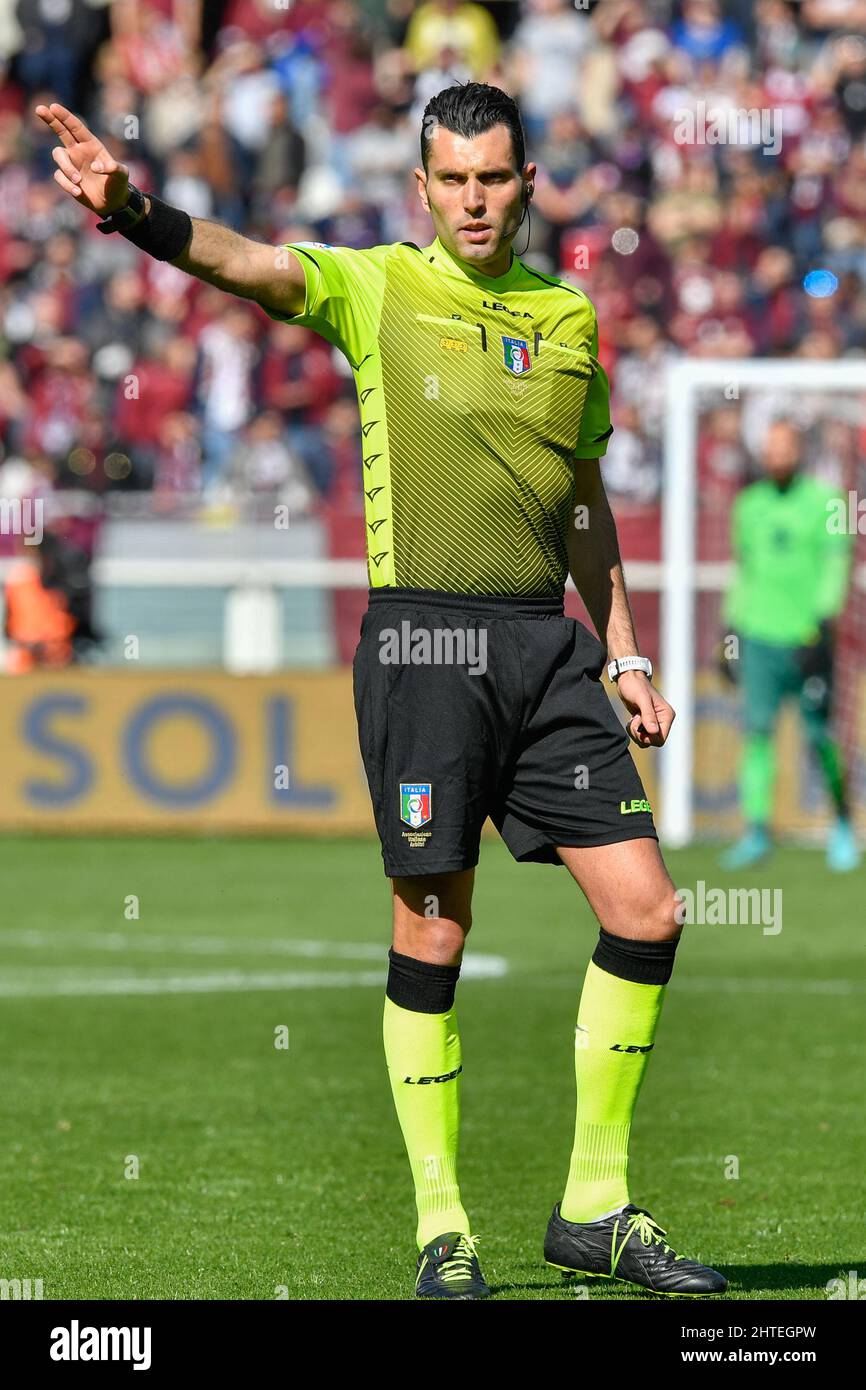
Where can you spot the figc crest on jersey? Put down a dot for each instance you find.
(517, 358)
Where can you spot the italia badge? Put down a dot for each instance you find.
(516, 354)
(415, 803)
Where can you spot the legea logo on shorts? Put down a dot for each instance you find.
(415, 803)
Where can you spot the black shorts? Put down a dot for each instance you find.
(471, 707)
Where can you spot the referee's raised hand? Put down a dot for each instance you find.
(85, 169)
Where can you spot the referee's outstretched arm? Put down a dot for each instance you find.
(270, 275)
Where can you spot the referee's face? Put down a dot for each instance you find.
(474, 193)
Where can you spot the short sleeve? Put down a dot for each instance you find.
(595, 426)
(344, 292)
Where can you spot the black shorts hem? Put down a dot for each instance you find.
(610, 837)
(418, 869)
(541, 848)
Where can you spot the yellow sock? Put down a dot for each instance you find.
(616, 1025)
(424, 1064)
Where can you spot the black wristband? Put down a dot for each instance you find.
(163, 233)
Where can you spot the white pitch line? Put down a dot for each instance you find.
(47, 984)
(769, 986)
(223, 983)
(476, 965)
(137, 938)
(717, 984)
(43, 985)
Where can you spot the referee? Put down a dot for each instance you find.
(484, 413)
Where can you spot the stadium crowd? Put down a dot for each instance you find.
(691, 228)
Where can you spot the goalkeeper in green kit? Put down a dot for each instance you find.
(789, 587)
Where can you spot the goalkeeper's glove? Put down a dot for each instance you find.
(815, 658)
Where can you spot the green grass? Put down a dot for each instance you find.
(262, 1169)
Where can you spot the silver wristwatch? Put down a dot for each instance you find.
(629, 663)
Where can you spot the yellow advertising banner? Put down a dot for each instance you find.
(95, 749)
(156, 751)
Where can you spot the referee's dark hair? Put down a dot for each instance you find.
(468, 109)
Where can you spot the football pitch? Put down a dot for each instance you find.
(195, 1103)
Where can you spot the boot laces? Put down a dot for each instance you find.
(650, 1232)
(647, 1229)
(459, 1264)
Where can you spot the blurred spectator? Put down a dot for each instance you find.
(224, 390)
(177, 461)
(459, 25)
(377, 157)
(632, 465)
(703, 33)
(118, 319)
(57, 36)
(58, 399)
(263, 462)
(298, 378)
(641, 372)
(280, 164)
(48, 603)
(548, 47)
(153, 389)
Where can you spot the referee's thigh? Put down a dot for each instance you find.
(628, 888)
(432, 915)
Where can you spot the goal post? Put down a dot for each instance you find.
(684, 573)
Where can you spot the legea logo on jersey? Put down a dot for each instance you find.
(415, 803)
(517, 358)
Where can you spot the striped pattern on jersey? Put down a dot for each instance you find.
(473, 397)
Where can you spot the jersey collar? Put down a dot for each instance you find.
(446, 261)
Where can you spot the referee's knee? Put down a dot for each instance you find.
(435, 940)
(432, 917)
(654, 915)
(666, 918)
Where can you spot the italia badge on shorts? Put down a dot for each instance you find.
(517, 358)
(415, 803)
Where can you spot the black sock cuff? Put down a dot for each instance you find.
(642, 962)
(420, 985)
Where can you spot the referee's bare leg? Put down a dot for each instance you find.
(628, 888)
(432, 916)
